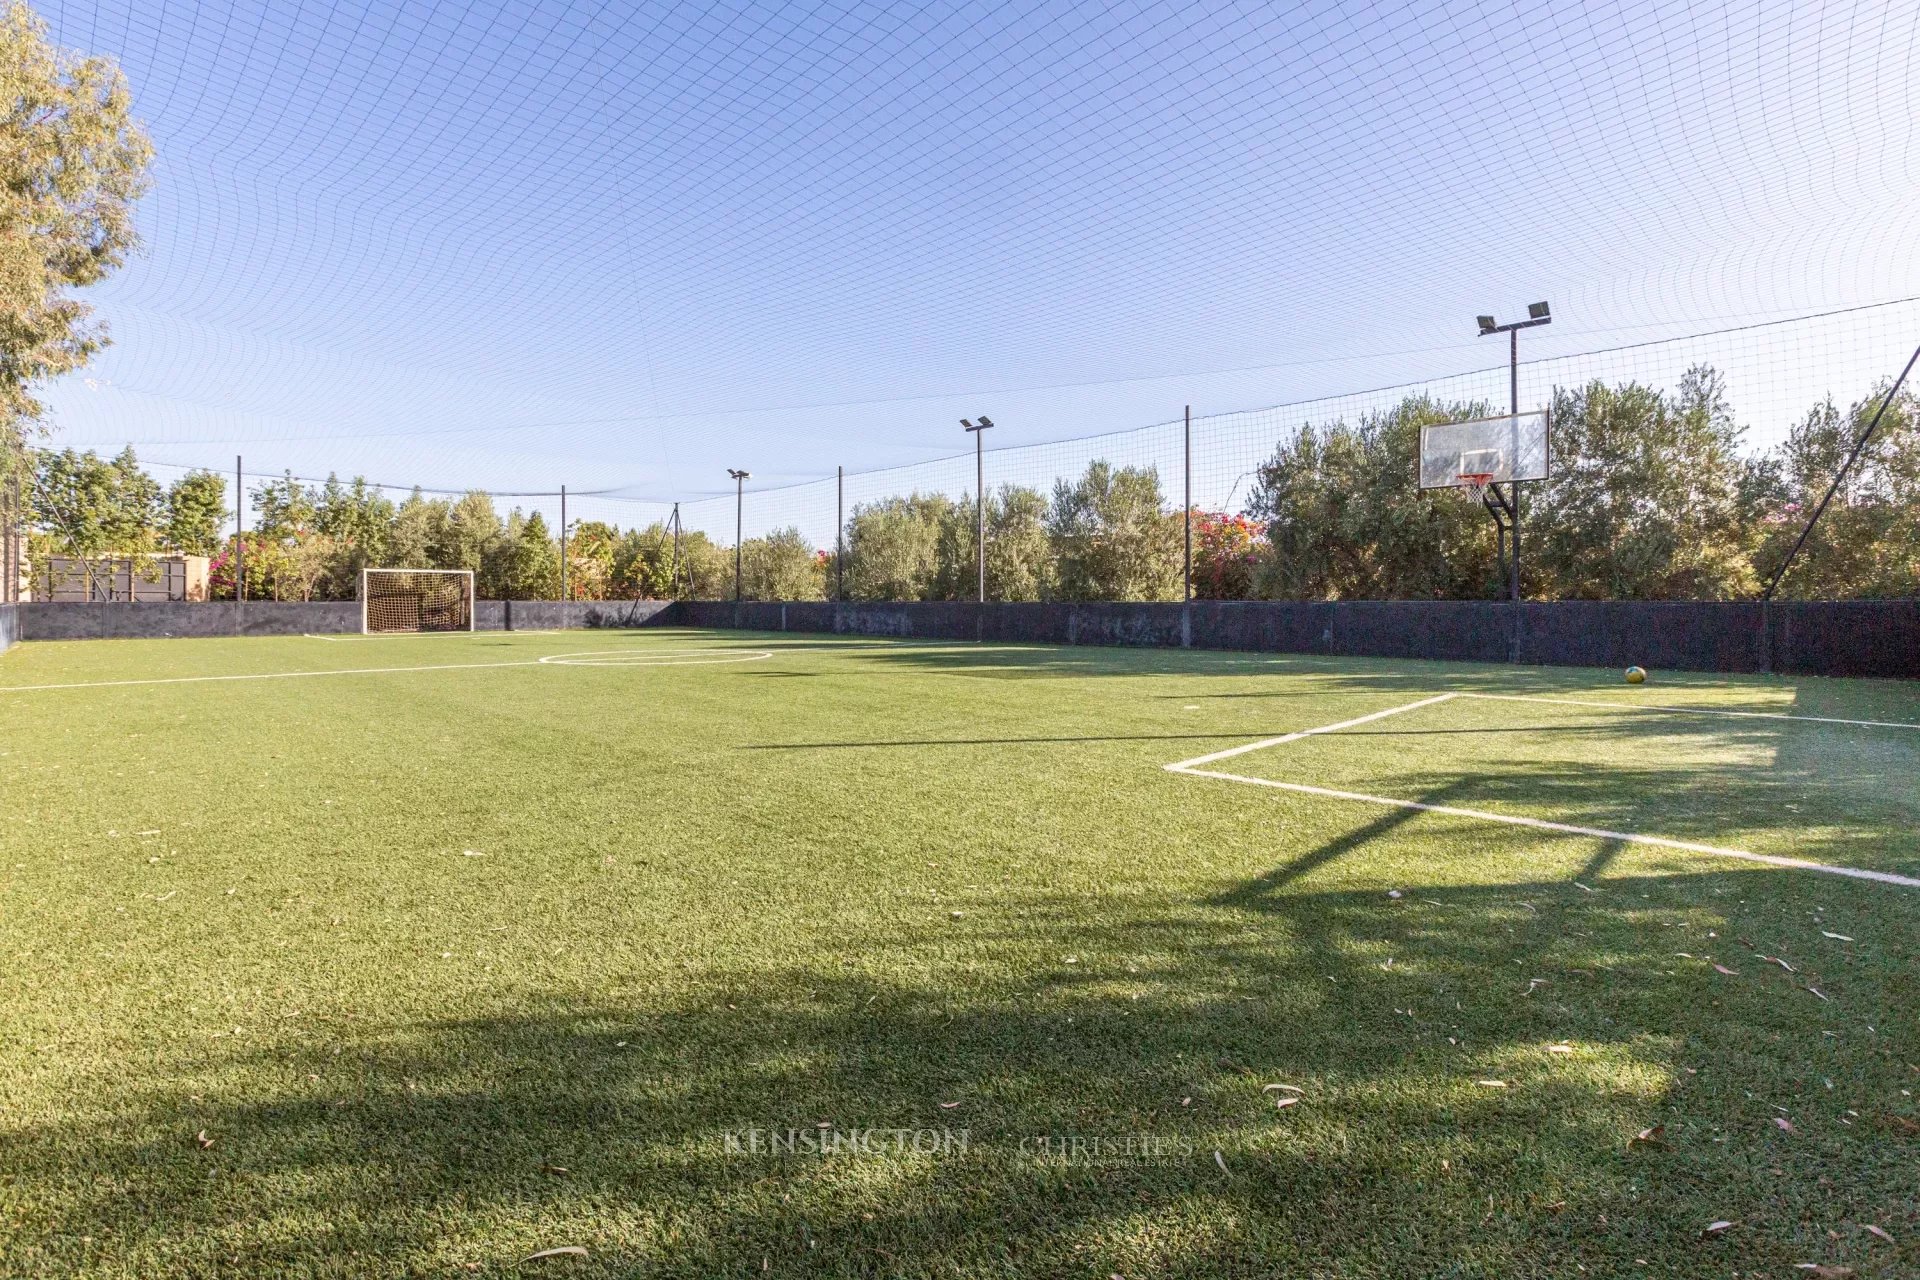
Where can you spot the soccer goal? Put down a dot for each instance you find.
(415, 600)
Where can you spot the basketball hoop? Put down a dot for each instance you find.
(1476, 482)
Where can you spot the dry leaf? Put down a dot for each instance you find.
(1220, 1160)
(1878, 1231)
(1824, 1271)
(563, 1251)
(1783, 1124)
(1818, 992)
(1491, 1084)
(1715, 1228)
(948, 1106)
(1654, 1137)
(1899, 1124)
(202, 1138)
(1782, 963)
(1559, 1048)
(1286, 1102)
(1284, 1088)
(1837, 937)
(1731, 973)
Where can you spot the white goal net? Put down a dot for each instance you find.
(416, 600)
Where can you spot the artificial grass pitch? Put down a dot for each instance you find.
(888, 959)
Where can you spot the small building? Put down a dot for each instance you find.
(120, 579)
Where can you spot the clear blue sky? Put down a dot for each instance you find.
(515, 245)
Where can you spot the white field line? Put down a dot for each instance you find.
(1189, 767)
(1693, 711)
(681, 660)
(1564, 828)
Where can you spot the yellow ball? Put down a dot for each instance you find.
(1636, 675)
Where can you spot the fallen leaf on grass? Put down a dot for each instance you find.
(1220, 1160)
(202, 1138)
(1283, 1088)
(557, 1170)
(1654, 1137)
(1818, 992)
(1783, 1124)
(1782, 963)
(1286, 1101)
(1559, 1048)
(563, 1251)
(1870, 1229)
(1837, 937)
(1899, 1124)
(1491, 1084)
(1825, 1271)
(948, 1106)
(1715, 1228)
(1731, 973)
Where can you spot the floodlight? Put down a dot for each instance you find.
(1486, 324)
(738, 475)
(967, 423)
(1537, 310)
(985, 421)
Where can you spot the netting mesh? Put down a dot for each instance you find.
(418, 600)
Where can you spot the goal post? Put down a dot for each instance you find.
(413, 600)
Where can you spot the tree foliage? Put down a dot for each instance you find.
(72, 164)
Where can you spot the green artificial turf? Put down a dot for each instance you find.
(421, 972)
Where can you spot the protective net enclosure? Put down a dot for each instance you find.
(416, 600)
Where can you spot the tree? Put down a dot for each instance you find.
(1227, 553)
(1868, 542)
(90, 509)
(781, 566)
(72, 164)
(1646, 497)
(893, 547)
(1112, 537)
(357, 520)
(530, 560)
(1346, 519)
(590, 554)
(196, 508)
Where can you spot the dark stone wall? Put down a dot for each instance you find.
(1838, 638)
(1812, 637)
(46, 620)
(49, 620)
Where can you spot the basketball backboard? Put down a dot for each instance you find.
(1512, 446)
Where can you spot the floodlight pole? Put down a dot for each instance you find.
(980, 493)
(739, 525)
(1538, 313)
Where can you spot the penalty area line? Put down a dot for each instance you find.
(1559, 828)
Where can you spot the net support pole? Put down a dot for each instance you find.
(1841, 474)
(239, 531)
(839, 534)
(1186, 449)
(563, 545)
(675, 588)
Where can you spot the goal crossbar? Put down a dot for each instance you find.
(413, 600)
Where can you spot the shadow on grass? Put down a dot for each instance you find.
(423, 1147)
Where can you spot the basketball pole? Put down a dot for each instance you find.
(1538, 313)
